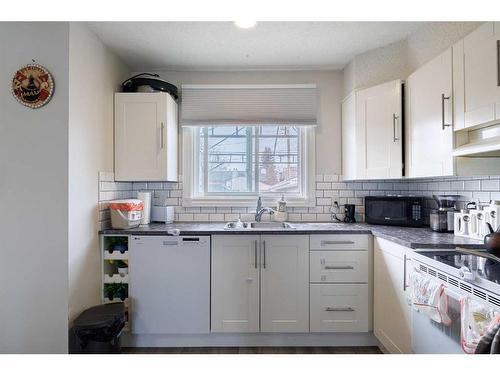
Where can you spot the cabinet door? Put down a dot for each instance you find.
(235, 283)
(339, 308)
(430, 135)
(349, 144)
(379, 137)
(285, 283)
(482, 74)
(392, 313)
(145, 137)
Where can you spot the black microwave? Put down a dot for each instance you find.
(394, 210)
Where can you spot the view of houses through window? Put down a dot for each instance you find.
(249, 160)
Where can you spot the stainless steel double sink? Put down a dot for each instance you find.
(243, 225)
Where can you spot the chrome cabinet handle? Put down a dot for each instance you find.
(325, 242)
(339, 309)
(394, 120)
(162, 128)
(264, 249)
(443, 123)
(339, 267)
(404, 273)
(255, 254)
(498, 62)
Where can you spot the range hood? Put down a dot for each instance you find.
(480, 143)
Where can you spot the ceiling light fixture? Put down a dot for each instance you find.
(245, 24)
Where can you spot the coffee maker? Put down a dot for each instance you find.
(349, 213)
(442, 218)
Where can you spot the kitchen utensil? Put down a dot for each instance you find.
(492, 240)
(149, 82)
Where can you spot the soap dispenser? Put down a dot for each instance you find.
(280, 214)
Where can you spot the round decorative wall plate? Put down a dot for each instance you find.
(33, 86)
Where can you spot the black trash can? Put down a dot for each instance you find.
(98, 330)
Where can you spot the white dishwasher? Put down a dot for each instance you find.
(169, 284)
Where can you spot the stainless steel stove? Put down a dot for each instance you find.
(464, 273)
(476, 267)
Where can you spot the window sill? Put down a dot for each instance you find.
(232, 201)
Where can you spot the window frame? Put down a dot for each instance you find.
(191, 177)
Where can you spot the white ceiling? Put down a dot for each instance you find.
(223, 46)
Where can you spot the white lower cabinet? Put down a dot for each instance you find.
(339, 308)
(392, 313)
(235, 283)
(260, 279)
(284, 284)
(340, 283)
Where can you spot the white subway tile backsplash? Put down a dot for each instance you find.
(323, 185)
(331, 177)
(329, 188)
(201, 217)
(472, 185)
(490, 185)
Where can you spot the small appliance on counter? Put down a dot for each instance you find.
(349, 213)
(442, 218)
(126, 213)
(163, 214)
(398, 210)
(474, 222)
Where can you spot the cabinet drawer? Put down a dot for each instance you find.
(339, 308)
(339, 242)
(338, 266)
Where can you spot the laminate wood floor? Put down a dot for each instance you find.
(259, 350)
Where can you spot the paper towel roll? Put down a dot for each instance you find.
(145, 197)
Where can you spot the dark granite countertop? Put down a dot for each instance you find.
(409, 237)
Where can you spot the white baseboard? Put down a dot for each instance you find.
(251, 339)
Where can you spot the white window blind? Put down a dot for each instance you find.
(249, 105)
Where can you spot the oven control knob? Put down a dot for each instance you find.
(465, 274)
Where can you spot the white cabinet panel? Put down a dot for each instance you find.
(235, 283)
(379, 125)
(339, 241)
(339, 266)
(145, 137)
(481, 74)
(429, 112)
(285, 283)
(392, 313)
(349, 142)
(372, 144)
(339, 308)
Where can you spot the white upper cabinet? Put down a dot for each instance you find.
(479, 74)
(349, 144)
(378, 114)
(145, 137)
(429, 114)
(372, 133)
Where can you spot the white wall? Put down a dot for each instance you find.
(400, 59)
(328, 140)
(95, 74)
(34, 195)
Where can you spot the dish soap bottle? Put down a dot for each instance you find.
(280, 215)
